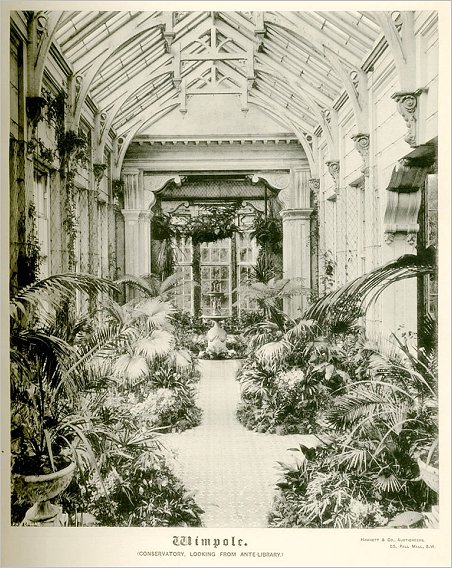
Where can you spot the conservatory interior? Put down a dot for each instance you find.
(223, 231)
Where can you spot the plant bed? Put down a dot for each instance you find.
(139, 490)
(168, 409)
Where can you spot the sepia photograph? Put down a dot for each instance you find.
(220, 283)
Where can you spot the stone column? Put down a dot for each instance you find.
(297, 254)
(137, 233)
(296, 215)
(132, 239)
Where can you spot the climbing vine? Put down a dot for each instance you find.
(29, 259)
(327, 277)
(71, 148)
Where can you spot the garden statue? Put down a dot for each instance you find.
(216, 336)
(216, 339)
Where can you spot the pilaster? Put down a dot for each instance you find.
(133, 188)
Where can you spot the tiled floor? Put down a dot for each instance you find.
(231, 469)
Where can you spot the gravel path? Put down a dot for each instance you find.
(231, 469)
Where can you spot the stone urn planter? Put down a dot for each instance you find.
(39, 489)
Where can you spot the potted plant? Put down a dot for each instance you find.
(48, 428)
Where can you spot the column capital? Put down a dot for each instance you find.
(130, 171)
(131, 215)
(296, 214)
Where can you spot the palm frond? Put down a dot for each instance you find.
(347, 303)
(389, 483)
(57, 287)
(130, 368)
(302, 328)
(272, 352)
(155, 310)
(137, 282)
(354, 459)
(159, 343)
(181, 359)
(351, 407)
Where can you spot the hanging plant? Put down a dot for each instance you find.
(56, 106)
(34, 109)
(162, 229)
(29, 259)
(72, 146)
(215, 224)
(268, 232)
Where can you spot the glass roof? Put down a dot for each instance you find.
(133, 65)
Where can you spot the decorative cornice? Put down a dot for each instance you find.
(271, 139)
(362, 143)
(407, 107)
(276, 180)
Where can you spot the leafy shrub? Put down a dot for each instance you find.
(287, 383)
(382, 427)
(323, 500)
(139, 492)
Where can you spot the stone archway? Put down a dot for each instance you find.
(279, 162)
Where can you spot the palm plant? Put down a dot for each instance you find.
(381, 419)
(339, 309)
(43, 366)
(153, 286)
(270, 296)
(389, 421)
